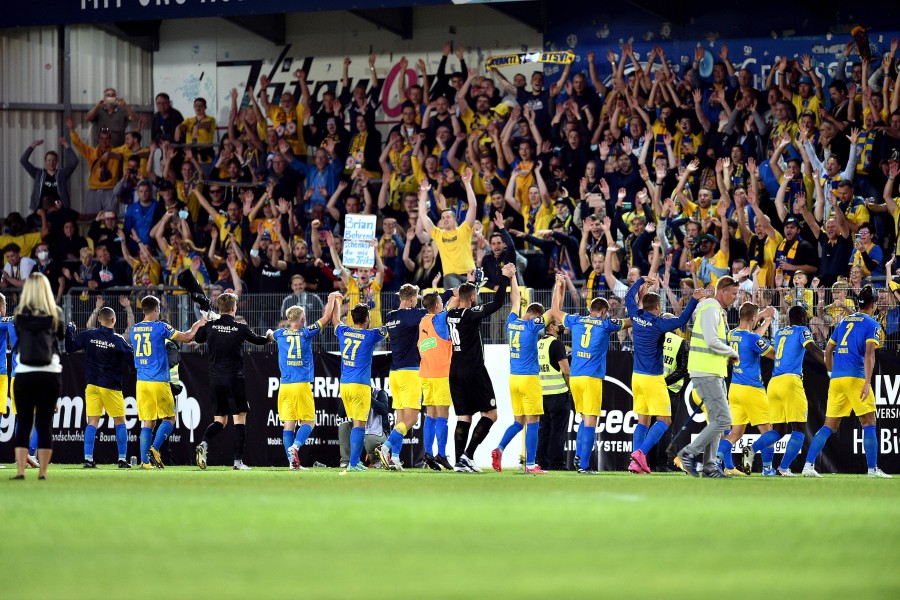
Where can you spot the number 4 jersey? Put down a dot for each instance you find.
(357, 347)
(523, 338)
(295, 356)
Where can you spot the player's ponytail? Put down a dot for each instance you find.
(867, 296)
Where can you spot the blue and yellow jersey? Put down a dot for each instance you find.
(590, 342)
(790, 348)
(851, 336)
(523, 336)
(295, 355)
(9, 340)
(749, 346)
(402, 326)
(150, 357)
(357, 346)
(649, 331)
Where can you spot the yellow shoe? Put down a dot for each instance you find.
(677, 461)
(735, 472)
(156, 459)
(147, 466)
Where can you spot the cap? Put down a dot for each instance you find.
(791, 221)
(266, 236)
(562, 200)
(501, 110)
(557, 222)
(806, 79)
(165, 184)
(704, 237)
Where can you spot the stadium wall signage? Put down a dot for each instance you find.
(843, 454)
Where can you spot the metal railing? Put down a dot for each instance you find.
(265, 311)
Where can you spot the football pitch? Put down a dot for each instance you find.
(266, 533)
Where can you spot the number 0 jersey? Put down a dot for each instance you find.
(790, 348)
(295, 355)
(150, 357)
(523, 336)
(357, 346)
(850, 337)
(590, 342)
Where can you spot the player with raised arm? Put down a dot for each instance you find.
(224, 339)
(648, 383)
(402, 326)
(747, 395)
(470, 384)
(296, 364)
(787, 397)
(153, 392)
(850, 357)
(357, 344)
(590, 343)
(436, 351)
(525, 377)
(104, 351)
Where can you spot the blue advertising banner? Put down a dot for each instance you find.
(752, 43)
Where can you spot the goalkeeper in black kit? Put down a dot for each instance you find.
(470, 385)
(225, 339)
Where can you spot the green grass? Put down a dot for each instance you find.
(272, 533)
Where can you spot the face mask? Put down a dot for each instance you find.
(42, 256)
(183, 214)
(254, 252)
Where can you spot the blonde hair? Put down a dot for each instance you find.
(294, 313)
(37, 298)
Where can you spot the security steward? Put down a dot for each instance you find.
(554, 429)
(675, 370)
(224, 340)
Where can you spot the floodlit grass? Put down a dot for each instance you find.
(183, 533)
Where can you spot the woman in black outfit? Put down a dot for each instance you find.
(38, 321)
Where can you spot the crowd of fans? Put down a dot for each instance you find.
(791, 188)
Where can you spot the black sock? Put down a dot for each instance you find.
(460, 437)
(214, 429)
(240, 436)
(481, 430)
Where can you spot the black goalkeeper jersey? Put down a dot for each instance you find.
(465, 331)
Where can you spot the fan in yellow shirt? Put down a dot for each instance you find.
(454, 243)
(199, 130)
